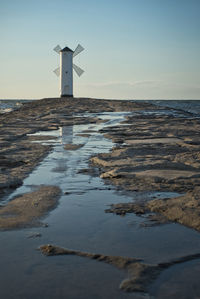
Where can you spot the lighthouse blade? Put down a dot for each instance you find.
(57, 71)
(57, 49)
(78, 70)
(78, 50)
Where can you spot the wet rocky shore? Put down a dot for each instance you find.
(19, 155)
(156, 149)
(156, 152)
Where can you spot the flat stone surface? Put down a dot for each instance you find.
(27, 209)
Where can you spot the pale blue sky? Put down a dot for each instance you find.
(134, 49)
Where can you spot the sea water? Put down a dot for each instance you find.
(10, 105)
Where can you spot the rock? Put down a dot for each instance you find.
(34, 235)
(124, 208)
(140, 274)
(72, 146)
(183, 209)
(25, 210)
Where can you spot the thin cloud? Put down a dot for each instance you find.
(142, 89)
(125, 84)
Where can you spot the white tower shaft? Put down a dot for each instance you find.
(66, 73)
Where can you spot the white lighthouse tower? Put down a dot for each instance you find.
(65, 71)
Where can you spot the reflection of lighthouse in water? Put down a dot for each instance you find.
(66, 134)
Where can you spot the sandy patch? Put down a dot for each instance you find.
(26, 210)
(152, 140)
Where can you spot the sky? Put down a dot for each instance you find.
(134, 49)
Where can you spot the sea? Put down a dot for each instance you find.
(190, 106)
(10, 105)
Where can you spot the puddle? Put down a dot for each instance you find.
(174, 276)
(168, 111)
(79, 222)
(61, 167)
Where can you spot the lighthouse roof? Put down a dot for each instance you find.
(66, 49)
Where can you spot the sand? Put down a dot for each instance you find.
(27, 209)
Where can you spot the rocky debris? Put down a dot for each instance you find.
(88, 171)
(158, 153)
(183, 209)
(10, 183)
(140, 274)
(71, 147)
(89, 131)
(83, 135)
(26, 210)
(124, 208)
(140, 209)
(154, 220)
(34, 235)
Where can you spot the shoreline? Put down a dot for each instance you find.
(153, 151)
(18, 155)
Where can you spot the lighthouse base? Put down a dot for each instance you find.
(66, 95)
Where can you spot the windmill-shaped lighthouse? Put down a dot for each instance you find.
(65, 71)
